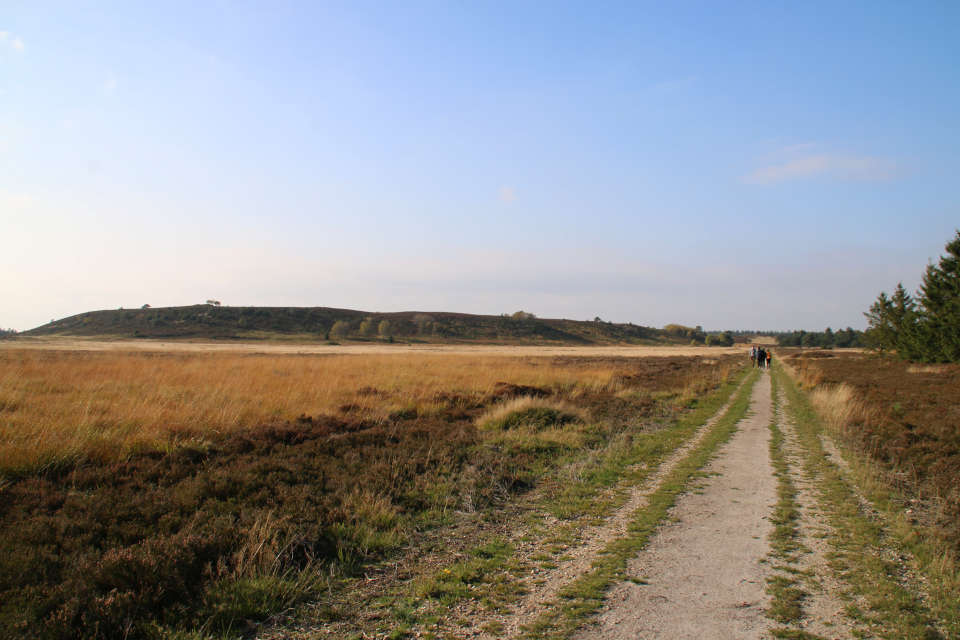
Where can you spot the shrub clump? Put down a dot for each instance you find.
(530, 412)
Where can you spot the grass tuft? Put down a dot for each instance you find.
(531, 413)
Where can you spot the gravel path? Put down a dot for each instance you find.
(703, 575)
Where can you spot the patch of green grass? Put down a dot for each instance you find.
(786, 605)
(485, 577)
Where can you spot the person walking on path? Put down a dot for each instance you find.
(769, 358)
(753, 356)
(761, 357)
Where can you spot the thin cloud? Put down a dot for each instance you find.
(779, 154)
(842, 168)
(14, 42)
(109, 85)
(508, 194)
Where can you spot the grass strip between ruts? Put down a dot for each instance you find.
(584, 596)
(787, 594)
(862, 546)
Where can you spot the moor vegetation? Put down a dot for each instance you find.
(903, 417)
(161, 496)
(212, 321)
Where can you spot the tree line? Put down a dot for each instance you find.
(924, 327)
(828, 339)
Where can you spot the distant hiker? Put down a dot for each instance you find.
(753, 356)
(761, 357)
(769, 358)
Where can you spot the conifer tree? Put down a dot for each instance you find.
(902, 314)
(879, 334)
(939, 307)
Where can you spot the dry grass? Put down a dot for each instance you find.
(529, 411)
(927, 368)
(535, 423)
(58, 407)
(804, 372)
(841, 406)
(902, 418)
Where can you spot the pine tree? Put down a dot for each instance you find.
(939, 307)
(903, 317)
(879, 334)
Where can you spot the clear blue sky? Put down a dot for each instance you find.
(764, 165)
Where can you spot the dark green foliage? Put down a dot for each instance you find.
(842, 339)
(695, 334)
(925, 328)
(724, 339)
(939, 303)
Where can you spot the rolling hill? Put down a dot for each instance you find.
(206, 322)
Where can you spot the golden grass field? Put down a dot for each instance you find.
(293, 347)
(102, 405)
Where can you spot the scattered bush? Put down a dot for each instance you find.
(529, 411)
(368, 327)
(340, 329)
(425, 324)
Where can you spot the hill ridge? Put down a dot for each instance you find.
(206, 321)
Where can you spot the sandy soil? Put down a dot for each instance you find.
(80, 344)
(703, 574)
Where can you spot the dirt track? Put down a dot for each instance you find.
(703, 575)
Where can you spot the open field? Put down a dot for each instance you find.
(199, 346)
(190, 494)
(59, 406)
(146, 492)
